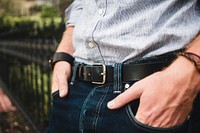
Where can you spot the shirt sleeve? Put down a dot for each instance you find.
(73, 12)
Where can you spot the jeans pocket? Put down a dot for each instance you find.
(131, 110)
(55, 95)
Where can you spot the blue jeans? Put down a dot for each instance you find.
(85, 110)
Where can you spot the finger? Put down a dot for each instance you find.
(62, 85)
(129, 95)
(60, 77)
(54, 87)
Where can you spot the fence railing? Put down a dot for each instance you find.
(24, 69)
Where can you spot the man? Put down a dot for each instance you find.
(136, 68)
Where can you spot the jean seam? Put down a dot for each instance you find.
(98, 108)
(127, 112)
(83, 107)
(149, 128)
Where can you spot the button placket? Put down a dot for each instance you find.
(101, 12)
(102, 5)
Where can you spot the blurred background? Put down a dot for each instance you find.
(30, 31)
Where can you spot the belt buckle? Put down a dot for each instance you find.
(103, 74)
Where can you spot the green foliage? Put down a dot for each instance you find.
(30, 27)
(49, 12)
(35, 9)
(8, 23)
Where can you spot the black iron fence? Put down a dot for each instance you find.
(24, 68)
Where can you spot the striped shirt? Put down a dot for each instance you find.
(114, 31)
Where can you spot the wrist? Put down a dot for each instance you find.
(62, 68)
(192, 57)
(185, 72)
(61, 56)
(63, 65)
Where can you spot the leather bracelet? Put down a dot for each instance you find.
(194, 58)
(61, 56)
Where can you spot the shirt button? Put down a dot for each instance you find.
(101, 12)
(91, 45)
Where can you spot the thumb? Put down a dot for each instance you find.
(62, 85)
(63, 89)
(60, 77)
(129, 95)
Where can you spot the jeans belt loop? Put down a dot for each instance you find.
(117, 78)
(74, 72)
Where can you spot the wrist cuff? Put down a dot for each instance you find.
(61, 56)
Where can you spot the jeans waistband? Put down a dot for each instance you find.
(121, 73)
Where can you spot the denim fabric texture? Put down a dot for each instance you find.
(84, 110)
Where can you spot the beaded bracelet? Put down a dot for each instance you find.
(194, 58)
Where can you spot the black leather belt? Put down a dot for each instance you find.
(100, 74)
